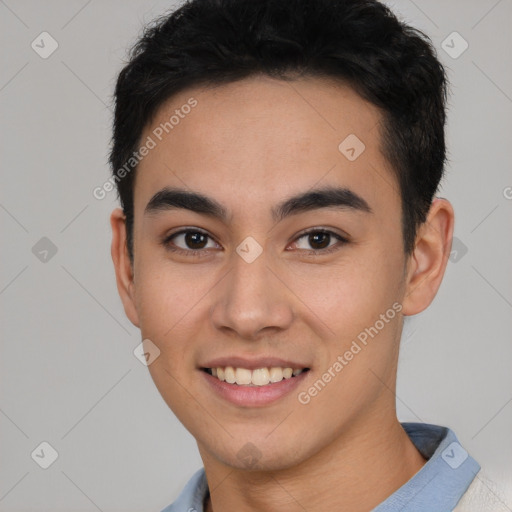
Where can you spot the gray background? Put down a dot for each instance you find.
(68, 373)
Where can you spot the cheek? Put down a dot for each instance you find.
(166, 292)
(166, 303)
(350, 295)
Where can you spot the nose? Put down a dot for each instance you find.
(251, 299)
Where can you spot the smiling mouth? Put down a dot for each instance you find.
(257, 377)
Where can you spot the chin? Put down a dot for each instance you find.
(260, 456)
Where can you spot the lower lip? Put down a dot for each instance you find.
(254, 396)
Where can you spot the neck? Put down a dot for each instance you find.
(357, 471)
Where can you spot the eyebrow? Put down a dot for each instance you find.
(326, 197)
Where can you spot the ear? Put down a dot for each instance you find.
(427, 263)
(123, 265)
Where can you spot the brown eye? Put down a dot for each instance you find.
(319, 241)
(190, 242)
(195, 240)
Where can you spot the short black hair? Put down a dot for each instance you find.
(358, 42)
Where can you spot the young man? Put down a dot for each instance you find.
(277, 163)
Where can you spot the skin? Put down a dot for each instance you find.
(250, 145)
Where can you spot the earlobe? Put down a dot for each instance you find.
(428, 261)
(122, 265)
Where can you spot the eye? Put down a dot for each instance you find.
(194, 242)
(320, 241)
(190, 242)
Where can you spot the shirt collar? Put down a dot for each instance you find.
(444, 478)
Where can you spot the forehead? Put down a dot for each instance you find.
(261, 139)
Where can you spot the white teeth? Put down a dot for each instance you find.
(243, 376)
(260, 377)
(257, 377)
(276, 374)
(229, 375)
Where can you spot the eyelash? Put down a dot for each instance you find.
(204, 252)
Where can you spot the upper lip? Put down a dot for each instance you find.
(253, 364)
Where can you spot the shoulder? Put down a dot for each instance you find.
(482, 495)
(192, 496)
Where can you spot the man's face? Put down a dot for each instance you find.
(303, 300)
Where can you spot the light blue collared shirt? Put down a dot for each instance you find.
(436, 487)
